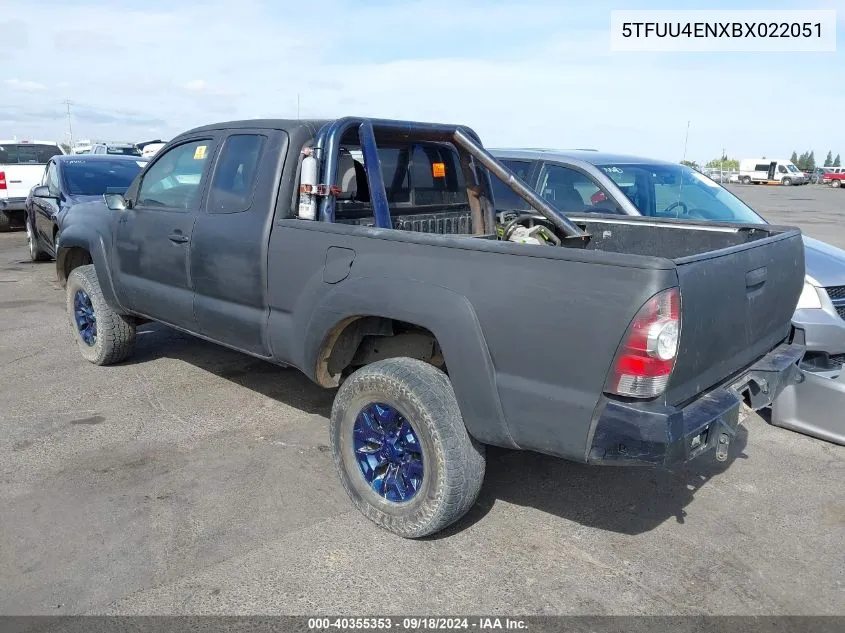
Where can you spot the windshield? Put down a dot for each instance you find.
(27, 154)
(792, 168)
(93, 177)
(676, 191)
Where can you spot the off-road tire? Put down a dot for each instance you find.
(36, 253)
(115, 332)
(5, 222)
(453, 462)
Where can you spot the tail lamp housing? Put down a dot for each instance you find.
(646, 358)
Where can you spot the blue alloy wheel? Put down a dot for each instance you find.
(388, 451)
(86, 321)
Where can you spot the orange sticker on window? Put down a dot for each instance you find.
(438, 170)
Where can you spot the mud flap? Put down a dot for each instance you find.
(815, 406)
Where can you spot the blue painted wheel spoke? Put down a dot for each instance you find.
(389, 453)
(86, 320)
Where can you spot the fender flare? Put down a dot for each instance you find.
(447, 314)
(77, 237)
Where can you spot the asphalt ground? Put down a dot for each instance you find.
(193, 479)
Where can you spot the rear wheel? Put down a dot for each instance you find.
(5, 222)
(36, 253)
(102, 335)
(836, 184)
(401, 448)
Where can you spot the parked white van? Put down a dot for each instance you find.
(770, 171)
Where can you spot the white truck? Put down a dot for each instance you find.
(22, 166)
(770, 171)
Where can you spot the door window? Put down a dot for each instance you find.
(174, 181)
(51, 179)
(572, 191)
(236, 173)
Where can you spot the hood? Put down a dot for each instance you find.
(824, 263)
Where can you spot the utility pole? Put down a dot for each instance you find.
(69, 103)
(686, 139)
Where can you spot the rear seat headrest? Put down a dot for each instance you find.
(346, 176)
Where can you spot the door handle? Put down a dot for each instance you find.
(756, 278)
(178, 238)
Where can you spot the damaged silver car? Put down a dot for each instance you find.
(588, 181)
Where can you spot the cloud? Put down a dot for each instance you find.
(521, 72)
(195, 85)
(19, 85)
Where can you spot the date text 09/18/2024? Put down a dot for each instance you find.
(415, 624)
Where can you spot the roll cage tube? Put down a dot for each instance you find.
(329, 140)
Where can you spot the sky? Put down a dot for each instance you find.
(522, 73)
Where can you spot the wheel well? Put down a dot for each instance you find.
(360, 340)
(71, 258)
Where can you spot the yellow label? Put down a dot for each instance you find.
(199, 152)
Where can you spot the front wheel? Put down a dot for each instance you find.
(746, 181)
(786, 182)
(36, 253)
(102, 335)
(401, 448)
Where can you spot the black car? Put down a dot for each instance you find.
(69, 181)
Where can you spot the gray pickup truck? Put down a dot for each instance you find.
(366, 253)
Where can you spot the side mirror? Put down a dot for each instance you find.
(42, 191)
(115, 201)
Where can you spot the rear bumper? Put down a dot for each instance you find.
(12, 204)
(814, 406)
(630, 433)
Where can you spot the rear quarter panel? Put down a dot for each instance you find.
(528, 338)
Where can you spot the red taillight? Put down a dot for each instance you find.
(646, 359)
(2, 179)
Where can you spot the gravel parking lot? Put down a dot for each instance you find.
(193, 479)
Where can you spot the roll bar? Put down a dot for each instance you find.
(327, 151)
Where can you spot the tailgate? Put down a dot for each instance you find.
(21, 178)
(737, 304)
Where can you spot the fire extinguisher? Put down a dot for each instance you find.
(308, 186)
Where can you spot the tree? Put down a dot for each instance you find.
(811, 162)
(828, 160)
(724, 163)
(794, 158)
(836, 162)
(690, 163)
(802, 161)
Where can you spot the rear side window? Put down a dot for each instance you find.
(761, 167)
(234, 179)
(27, 154)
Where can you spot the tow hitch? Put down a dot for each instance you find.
(722, 447)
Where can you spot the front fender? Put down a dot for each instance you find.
(75, 236)
(447, 314)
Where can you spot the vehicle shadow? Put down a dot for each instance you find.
(628, 500)
(288, 386)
